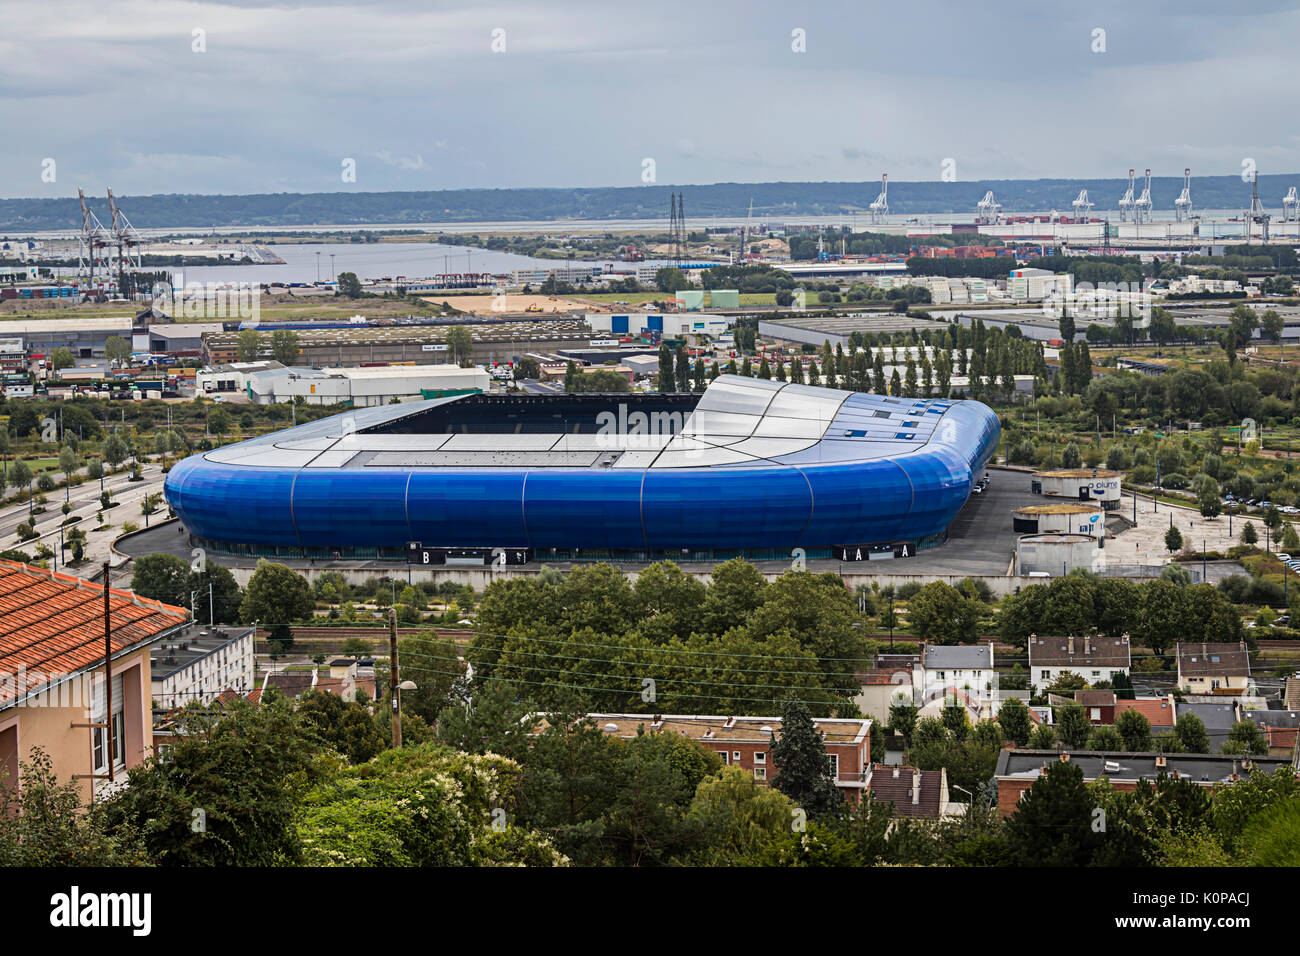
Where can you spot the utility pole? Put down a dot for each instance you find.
(392, 678)
(108, 678)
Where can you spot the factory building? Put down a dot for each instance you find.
(362, 387)
(1081, 484)
(670, 325)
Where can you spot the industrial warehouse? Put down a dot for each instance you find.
(749, 468)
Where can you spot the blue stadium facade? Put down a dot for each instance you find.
(749, 467)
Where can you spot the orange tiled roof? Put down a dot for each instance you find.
(52, 625)
(1157, 710)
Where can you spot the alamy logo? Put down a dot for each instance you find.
(622, 429)
(75, 909)
(210, 300)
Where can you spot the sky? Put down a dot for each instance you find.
(169, 96)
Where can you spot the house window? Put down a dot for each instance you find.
(99, 735)
(760, 773)
(1096, 673)
(723, 755)
(1045, 675)
(735, 756)
(834, 761)
(941, 677)
(760, 756)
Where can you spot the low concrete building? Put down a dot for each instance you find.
(1062, 518)
(198, 663)
(1080, 484)
(1018, 769)
(362, 387)
(1058, 553)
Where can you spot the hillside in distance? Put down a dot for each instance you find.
(776, 201)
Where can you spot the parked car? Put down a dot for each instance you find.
(1283, 557)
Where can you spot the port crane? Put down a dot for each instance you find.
(125, 237)
(1142, 207)
(92, 242)
(1127, 201)
(1183, 204)
(990, 210)
(879, 209)
(1290, 206)
(1083, 206)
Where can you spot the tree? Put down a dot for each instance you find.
(284, 346)
(902, 719)
(1013, 717)
(115, 451)
(276, 596)
(61, 358)
(1173, 539)
(1043, 738)
(670, 279)
(1248, 534)
(1207, 498)
(802, 767)
(1072, 725)
(248, 346)
(1071, 458)
(1105, 737)
(345, 726)
(1189, 731)
(349, 286)
(460, 345)
(244, 769)
(1135, 730)
(162, 577)
(667, 380)
(940, 613)
(1245, 737)
(117, 349)
(738, 816)
(1053, 822)
(45, 823)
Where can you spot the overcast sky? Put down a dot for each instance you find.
(585, 90)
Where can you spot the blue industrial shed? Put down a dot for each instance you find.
(749, 467)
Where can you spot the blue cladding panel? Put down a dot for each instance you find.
(329, 507)
(232, 502)
(655, 323)
(858, 503)
(465, 508)
(618, 324)
(559, 506)
(714, 508)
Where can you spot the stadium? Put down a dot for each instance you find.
(748, 468)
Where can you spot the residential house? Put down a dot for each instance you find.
(294, 685)
(746, 742)
(942, 670)
(1099, 705)
(1213, 668)
(1092, 658)
(1018, 769)
(880, 689)
(56, 694)
(918, 794)
(1159, 711)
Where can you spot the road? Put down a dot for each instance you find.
(85, 504)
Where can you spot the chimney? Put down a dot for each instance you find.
(1161, 762)
(895, 773)
(916, 788)
(1065, 758)
(1087, 647)
(1071, 645)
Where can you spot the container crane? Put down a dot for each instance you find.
(1183, 204)
(880, 208)
(1142, 207)
(125, 238)
(1127, 201)
(989, 209)
(1082, 206)
(91, 243)
(1258, 214)
(1291, 206)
